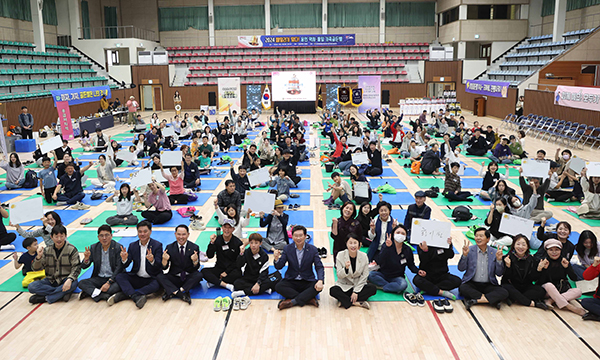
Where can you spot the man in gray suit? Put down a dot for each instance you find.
(481, 264)
(105, 255)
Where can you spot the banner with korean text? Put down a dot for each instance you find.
(371, 93)
(295, 40)
(64, 116)
(586, 98)
(81, 95)
(487, 88)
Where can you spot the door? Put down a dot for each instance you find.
(157, 98)
(147, 102)
(485, 52)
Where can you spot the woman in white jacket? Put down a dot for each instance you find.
(352, 266)
(590, 206)
(231, 213)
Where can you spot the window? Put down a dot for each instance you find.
(449, 16)
(493, 12)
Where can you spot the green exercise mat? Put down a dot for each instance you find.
(401, 162)
(329, 180)
(420, 174)
(100, 219)
(427, 183)
(13, 284)
(327, 175)
(590, 222)
(480, 213)
(441, 200)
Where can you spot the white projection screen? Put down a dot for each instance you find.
(294, 85)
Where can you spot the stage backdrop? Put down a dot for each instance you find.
(371, 86)
(229, 94)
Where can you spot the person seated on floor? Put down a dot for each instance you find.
(283, 183)
(276, 223)
(224, 140)
(59, 153)
(352, 267)
(15, 171)
(418, 210)
(379, 230)
(191, 173)
(592, 304)
(242, 182)
(587, 250)
(72, 191)
(156, 196)
(416, 153)
(26, 261)
(255, 280)
(562, 234)
(452, 184)
(501, 153)
(564, 162)
(538, 212)
(521, 271)
(590, 206)
(344, 225)
(516, 149)
(124, 202)
(541, 155)
(105, 255)
(555, 192)
(229, 196)
(524, 211)
(375, 167)
(397, 133)
(430, 163)
(490, 178)
(477, 144)
(250, 156)
(146, 255)
(556, 270)
(339, 189)
(433, 277)
(177, 195)
(493, 220)
(289, 164)
(356, 177)
(405, 147)
(299, 285)
(226, 247)
(490, 136)
(62, 266)
(365, 215)
(99, 141)
(346, 160)
(182, 258)
(481, 264)
(106, 178)
(393, 259)
(232, 214)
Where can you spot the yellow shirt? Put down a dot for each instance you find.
(103, 104)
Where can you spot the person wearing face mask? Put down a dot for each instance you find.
(590, 206)
(343, 226)
(520, 273)
(379, 230)
(434, 277)
(493, 220)
(555, 272)
(563, 231)
(481, 264)
(351, 287)
(395, 256)
(564, 162)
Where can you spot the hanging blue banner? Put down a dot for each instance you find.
(489, 88)
(296, 40)
(81, 95)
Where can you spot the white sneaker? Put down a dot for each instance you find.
(7, 247)
(365, 305)
(61, 203)
(236, 303)
(244, 302)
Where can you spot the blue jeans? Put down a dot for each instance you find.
(345, 166)
(579, 269)
(392, 285)
(71, 201)
(496, 160)
(52, 293)
(405, 154)
(18, 185)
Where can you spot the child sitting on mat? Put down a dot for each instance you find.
(283, 183)
(26, 259)
(452, 187)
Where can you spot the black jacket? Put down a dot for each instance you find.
(227, 254)
(555, 273)
(568, 248)
(522, 273)
(435, 261)
(257, 269)
(242, 184)
(176, 263)
(134, 256)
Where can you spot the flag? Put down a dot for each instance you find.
(320, 100)
(344, 95)
(266, 98)
(357, 97)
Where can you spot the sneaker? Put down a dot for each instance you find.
(420, 299)
(37, 299)
(236, 303)
(373, 266)
(447, 306)
(226, 303)
(120, 296)
(245, 302)
(290, 207)
(86, 221)
(323, 252)
(411, 299)
(140, 301)
(364, 305)
(438, 306)
(217, 304)
(66, 297)
(7, 247)
(296, 207)
(83, 295)
(61, 203)
(591, 317)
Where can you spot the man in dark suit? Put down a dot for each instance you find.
(299, 287)
(107, 264)
(146, 255)
(183, 274)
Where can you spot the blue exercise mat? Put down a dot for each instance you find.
(124, 174)
(305, 174)
(207, 184)
(395, 183)
(67, 217)
(453, 269)
(303, 200)
(301, 217)
(93, 156)
(4, 262)
(18, 243)
(399, 215)
(203, 292)
(88, 200)
(202, 199)
(399, 198)
(304, 184)
(8, 197)
(387, 172)
(469, 171)
(19, 190)
(471, 183)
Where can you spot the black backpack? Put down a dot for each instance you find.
(461, 213)
(31, 180)
(432, 192)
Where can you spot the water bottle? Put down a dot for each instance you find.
(219, 232)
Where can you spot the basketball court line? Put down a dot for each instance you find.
(485, 334)
(576, 334)
(448, 341)
(11, 300)
(216, 354)
(19, 322)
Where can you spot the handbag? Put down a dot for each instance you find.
(563, 286)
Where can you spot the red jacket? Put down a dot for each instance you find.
(339, 147)
(591, 273)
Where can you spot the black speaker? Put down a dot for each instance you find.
(212, 98)
(385, 97)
